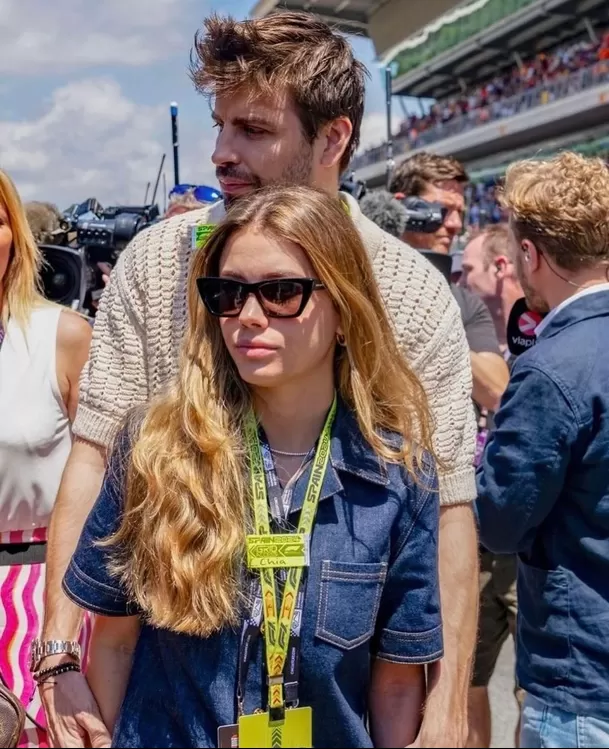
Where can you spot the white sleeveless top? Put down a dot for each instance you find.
(35, 434)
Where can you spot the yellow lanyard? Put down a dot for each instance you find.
(277, 627)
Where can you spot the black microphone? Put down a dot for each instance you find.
(521, 327)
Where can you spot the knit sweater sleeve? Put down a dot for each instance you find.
(445, 371)
(114, 378)
(429, 330)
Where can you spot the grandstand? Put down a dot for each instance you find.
(386, 22)
(507, 76)
(510, 78)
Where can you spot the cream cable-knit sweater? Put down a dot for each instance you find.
(143, 313)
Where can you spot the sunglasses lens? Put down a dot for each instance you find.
(222, 298)
(206, 194)
(282, 298)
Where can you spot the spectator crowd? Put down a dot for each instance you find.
(502, 96)
(291, 488)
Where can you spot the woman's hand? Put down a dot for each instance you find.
(73, 718)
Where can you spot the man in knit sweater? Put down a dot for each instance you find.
(288, 102)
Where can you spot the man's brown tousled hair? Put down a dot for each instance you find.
(296, 52)
(413, 175)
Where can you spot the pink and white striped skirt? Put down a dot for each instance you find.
(21, 614)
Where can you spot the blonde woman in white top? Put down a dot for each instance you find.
(43, 348)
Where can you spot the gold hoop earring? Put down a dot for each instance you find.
(340, 339)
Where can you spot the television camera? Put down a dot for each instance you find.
(422, 215)
(87, 243)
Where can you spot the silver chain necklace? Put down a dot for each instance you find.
(289, 455)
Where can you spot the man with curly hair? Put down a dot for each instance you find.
(543, 490)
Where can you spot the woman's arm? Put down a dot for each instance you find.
(73, 340)
(110, 656)
(396, 701)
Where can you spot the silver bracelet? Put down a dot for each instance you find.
(41, 650)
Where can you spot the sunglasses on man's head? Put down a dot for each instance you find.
(279, 297)
(202, 193)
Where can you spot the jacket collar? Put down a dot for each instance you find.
(349, 453)
(581, 308)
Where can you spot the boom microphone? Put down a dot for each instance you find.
(521, 327)
(391, 215)
(381, 207)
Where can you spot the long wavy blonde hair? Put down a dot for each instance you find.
(21, 283)
(187, 497)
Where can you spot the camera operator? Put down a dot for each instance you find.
(441, 180)
(44, 221)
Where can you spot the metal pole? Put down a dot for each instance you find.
(158, 178)
(164, 194)
(174, 137)
(390, 162)
(147, 191)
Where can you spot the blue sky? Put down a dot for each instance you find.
(85, 89)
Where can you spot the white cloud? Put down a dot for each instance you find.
(91, 141)
(37, 36)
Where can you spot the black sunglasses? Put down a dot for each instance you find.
(280, 297)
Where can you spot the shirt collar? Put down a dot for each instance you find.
(544, 324)
(349, 453)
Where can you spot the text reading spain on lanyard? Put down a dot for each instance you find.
(267, 552)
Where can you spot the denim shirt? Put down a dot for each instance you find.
(372, 591)
(543, 491)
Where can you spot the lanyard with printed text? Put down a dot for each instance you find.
(290, 551)
(279, 505)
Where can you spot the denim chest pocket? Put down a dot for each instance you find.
(349, 599)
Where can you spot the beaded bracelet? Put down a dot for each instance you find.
(49, 673)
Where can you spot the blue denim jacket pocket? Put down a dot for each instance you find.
(544, 616)
(349, 600)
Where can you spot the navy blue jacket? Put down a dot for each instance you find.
(543, 491)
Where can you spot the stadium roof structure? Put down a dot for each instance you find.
(351, 16)
(537, 27)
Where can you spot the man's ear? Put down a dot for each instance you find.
(501, 265)
(334, 140)
(532, 256)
